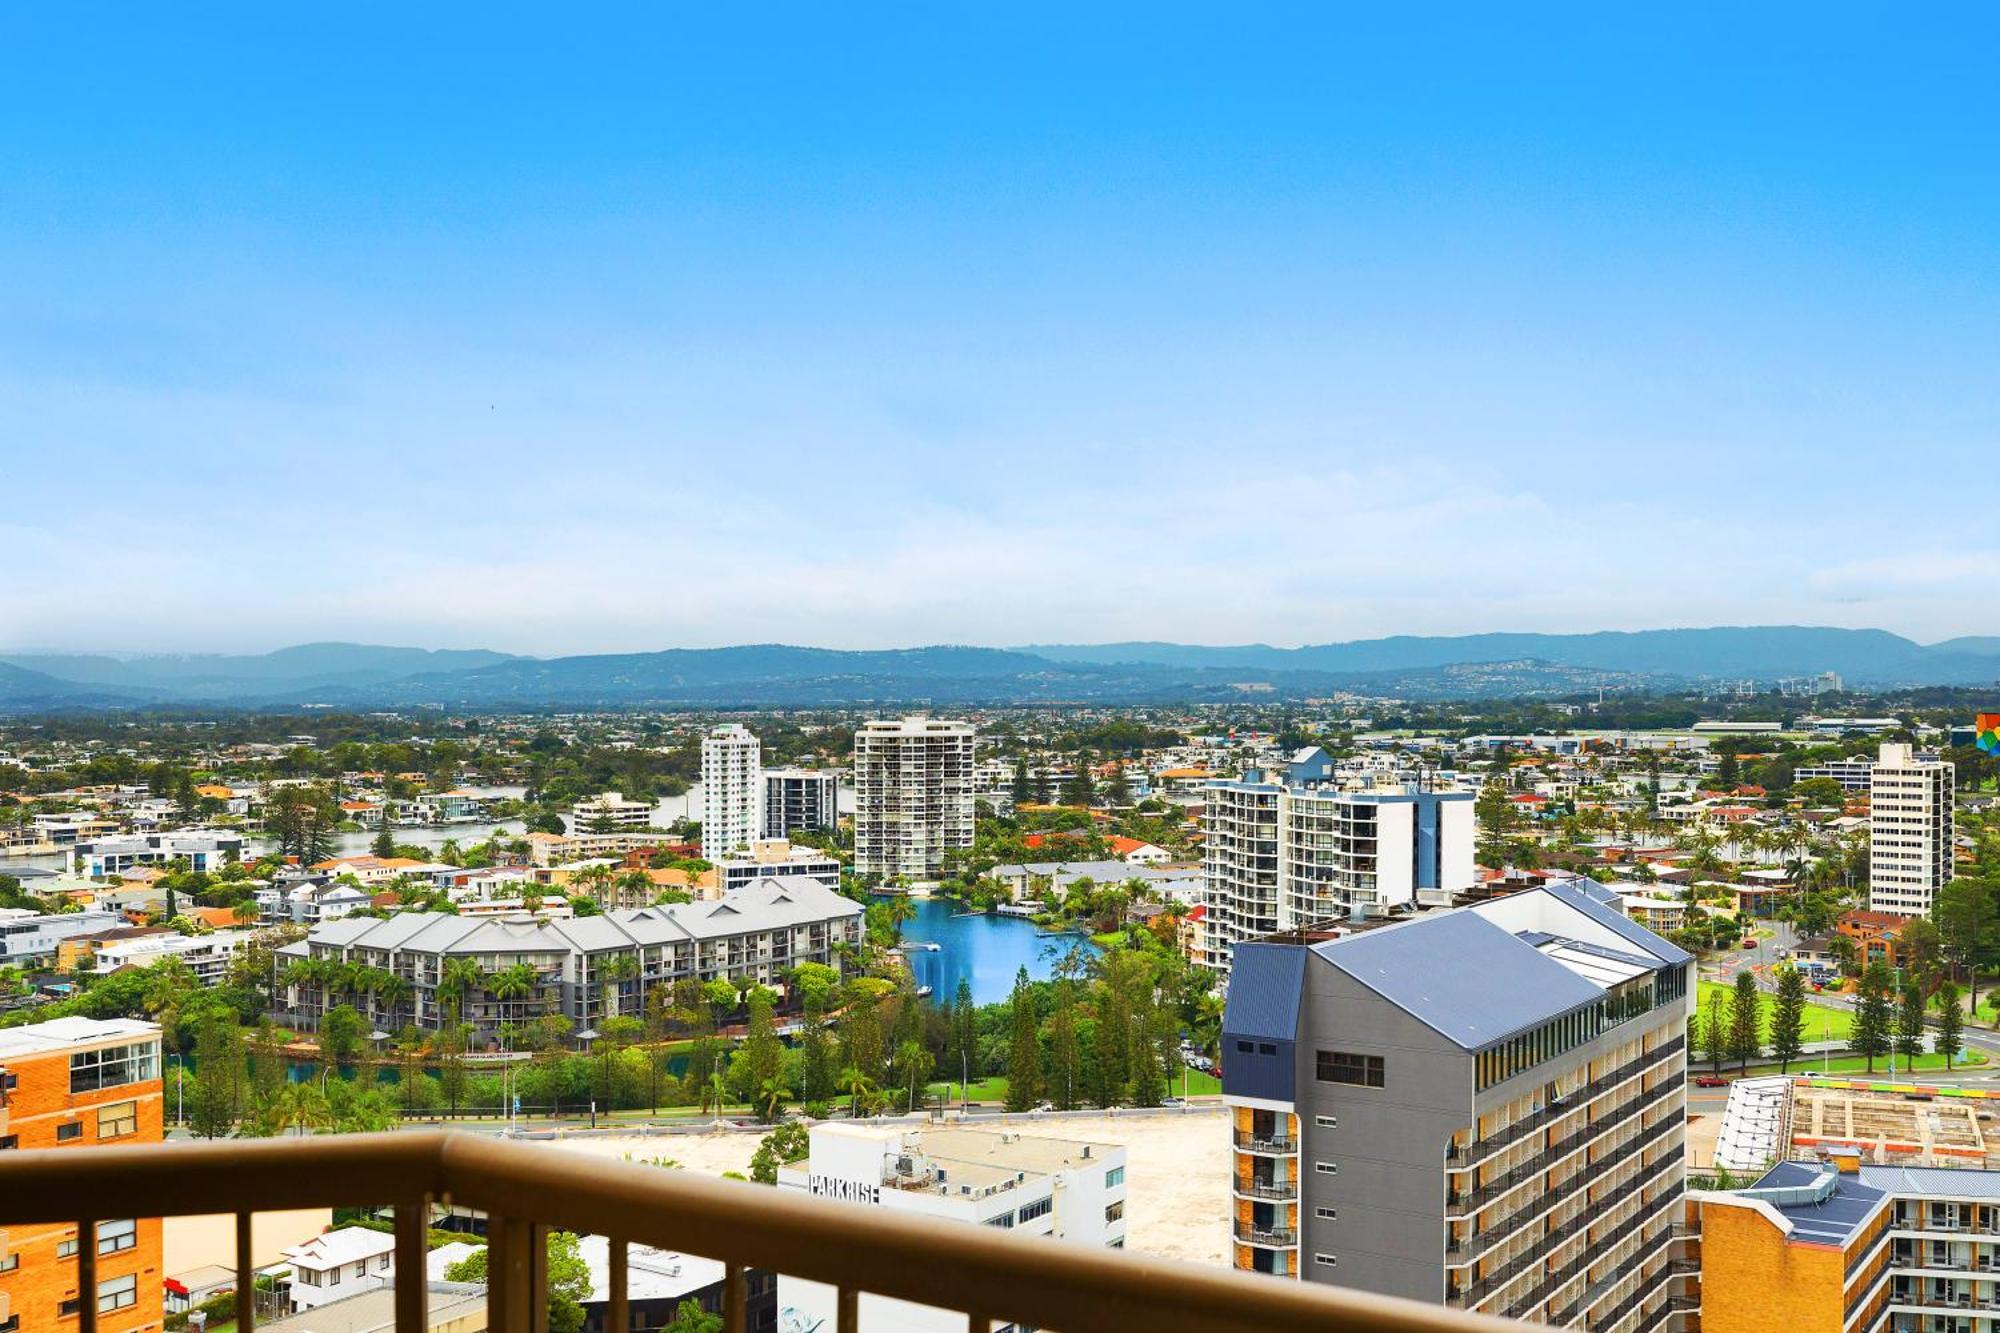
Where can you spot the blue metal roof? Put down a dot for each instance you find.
(1264, 984)
(1834, 1221)
(1472, 981)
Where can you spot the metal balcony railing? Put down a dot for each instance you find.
(993, 1278)
(1276, 1143)
(1281, 1190)
(1282, 1237)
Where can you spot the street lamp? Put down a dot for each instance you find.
(588, 1036)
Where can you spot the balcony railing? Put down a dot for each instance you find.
(525, 1189)
(1279, 1237)
(1281, 1190)
(1273, 1143)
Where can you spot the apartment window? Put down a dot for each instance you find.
(1327, 1260)
(1002, 1220)
(10, 1141)
(1266, 1048)
(1246, 1048)
(1327, 1121)
(1327, 1168)
(1114, 1211)
(1039, 1208)
(118, 1294)
(66, 1248)
(113, 1066)
(1361, 1071)
(1114, 1177)
(9, 1262)
(72, 1130)
(117, 1120)
(112, 1237)
(1327, 1214)
(68, 1308)
(11, 1324)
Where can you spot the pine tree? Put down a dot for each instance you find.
(1950, 1039)
(1065, 1056)
(1746, 1041)
(1023, 789)
(962, 1035)
(1024, 1051)
(1715, 1031)
(1788, 1018)
(218, 1093)
(1873, 1014)
(1910, 1025)
(384, 845)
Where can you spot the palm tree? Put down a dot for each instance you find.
(771, 1096)
(459, 976)
(612, 973)
(857, 1086)
(391, 991)
(301, 1106)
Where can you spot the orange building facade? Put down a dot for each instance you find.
(75, 1084)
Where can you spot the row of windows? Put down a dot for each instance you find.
(112, 1238)
(1559, 1036)
(119, 1293)
(1361, 1071)
(1039, 1208)
(114, 1066)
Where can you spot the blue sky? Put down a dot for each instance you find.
(560, 330)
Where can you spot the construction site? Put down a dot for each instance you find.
(1771, 1119)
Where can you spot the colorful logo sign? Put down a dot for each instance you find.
(1988, 728)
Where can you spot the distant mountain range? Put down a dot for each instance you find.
(775, 675)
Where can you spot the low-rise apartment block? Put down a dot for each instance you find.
(1056, 1189)
(1817, 1247)
(771, 858)
(756, 934)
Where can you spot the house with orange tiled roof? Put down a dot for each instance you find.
(1136, 851)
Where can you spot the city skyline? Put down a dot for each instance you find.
(1288, 328)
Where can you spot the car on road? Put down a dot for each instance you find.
(1711, 1081)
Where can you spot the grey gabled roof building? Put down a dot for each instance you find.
(1480, 1107)
(758, 932)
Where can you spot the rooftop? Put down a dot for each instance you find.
(59, 1034)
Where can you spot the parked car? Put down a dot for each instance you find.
(1711, 1081)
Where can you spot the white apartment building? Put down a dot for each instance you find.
(770, 858)
(913, 794)
(800, 798)
(1909, 831)
(202, 849)
(1040, 1188)
(609, 811)
(732, 790)
(1851, 774)
(28, 936)
(1280, 856)
(207, 956)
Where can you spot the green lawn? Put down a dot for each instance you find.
(1822, 1023)
(1850, 1064)
(995, 1089)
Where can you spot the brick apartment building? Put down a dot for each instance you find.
(76, 1083)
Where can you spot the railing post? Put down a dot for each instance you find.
(618, 1317)
(413, 1222)
(86, 1277)
(735, 1306)
(507, 1276)
(246, 1275)
(848, 1319)
(538, 1277)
